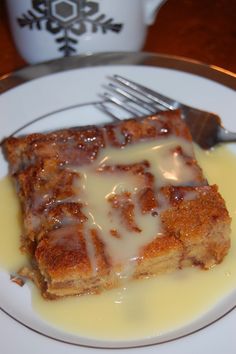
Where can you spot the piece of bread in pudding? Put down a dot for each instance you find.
(103, 204)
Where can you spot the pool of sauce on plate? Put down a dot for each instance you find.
(142, 308)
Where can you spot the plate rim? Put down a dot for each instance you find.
(32, 72)
(145, 59)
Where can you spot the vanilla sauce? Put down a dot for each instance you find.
(141, 308)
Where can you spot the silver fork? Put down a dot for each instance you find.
(138, 100)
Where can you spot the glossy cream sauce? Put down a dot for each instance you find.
(142, 308)
(97, 188)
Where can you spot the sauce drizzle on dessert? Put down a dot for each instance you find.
(113, 186)
(143, 308)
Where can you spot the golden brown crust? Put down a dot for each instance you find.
(82, 144)
(195, 222)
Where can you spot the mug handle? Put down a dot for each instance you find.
(151, 7)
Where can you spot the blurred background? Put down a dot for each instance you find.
(204, 30)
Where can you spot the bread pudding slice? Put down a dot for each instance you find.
(105, 204)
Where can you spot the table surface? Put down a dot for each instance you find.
(204, 30)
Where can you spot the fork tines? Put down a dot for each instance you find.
(133, 98)
(152, 97)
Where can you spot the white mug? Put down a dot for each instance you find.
(48, 29)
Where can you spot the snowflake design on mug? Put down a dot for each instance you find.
(67, 19)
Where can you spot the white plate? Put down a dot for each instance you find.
(54, 101)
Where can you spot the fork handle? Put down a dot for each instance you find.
(226, 136)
